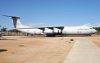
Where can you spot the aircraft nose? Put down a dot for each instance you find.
(94, 31)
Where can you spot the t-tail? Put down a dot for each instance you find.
(16, 22)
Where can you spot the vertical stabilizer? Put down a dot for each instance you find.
(16, 21)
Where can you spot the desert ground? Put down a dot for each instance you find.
(23, 49)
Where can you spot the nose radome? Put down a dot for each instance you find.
(94, 31)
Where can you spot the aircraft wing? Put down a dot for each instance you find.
(51, 27)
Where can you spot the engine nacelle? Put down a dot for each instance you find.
(48, 31)
(57, 31)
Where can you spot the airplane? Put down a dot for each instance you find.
(52, 30)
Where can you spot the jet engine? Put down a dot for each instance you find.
(48, 31)
(57, 31)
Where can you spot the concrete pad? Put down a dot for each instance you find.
(83, 51)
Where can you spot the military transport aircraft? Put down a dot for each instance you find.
(52, 30)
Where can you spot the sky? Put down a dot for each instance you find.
(50, 12)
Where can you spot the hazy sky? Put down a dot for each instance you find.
(51, 12)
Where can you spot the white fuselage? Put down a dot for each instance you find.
(78, 30)
(52, 30)
(66, 30)
(31, 31)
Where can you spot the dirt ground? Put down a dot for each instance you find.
(22, 49)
